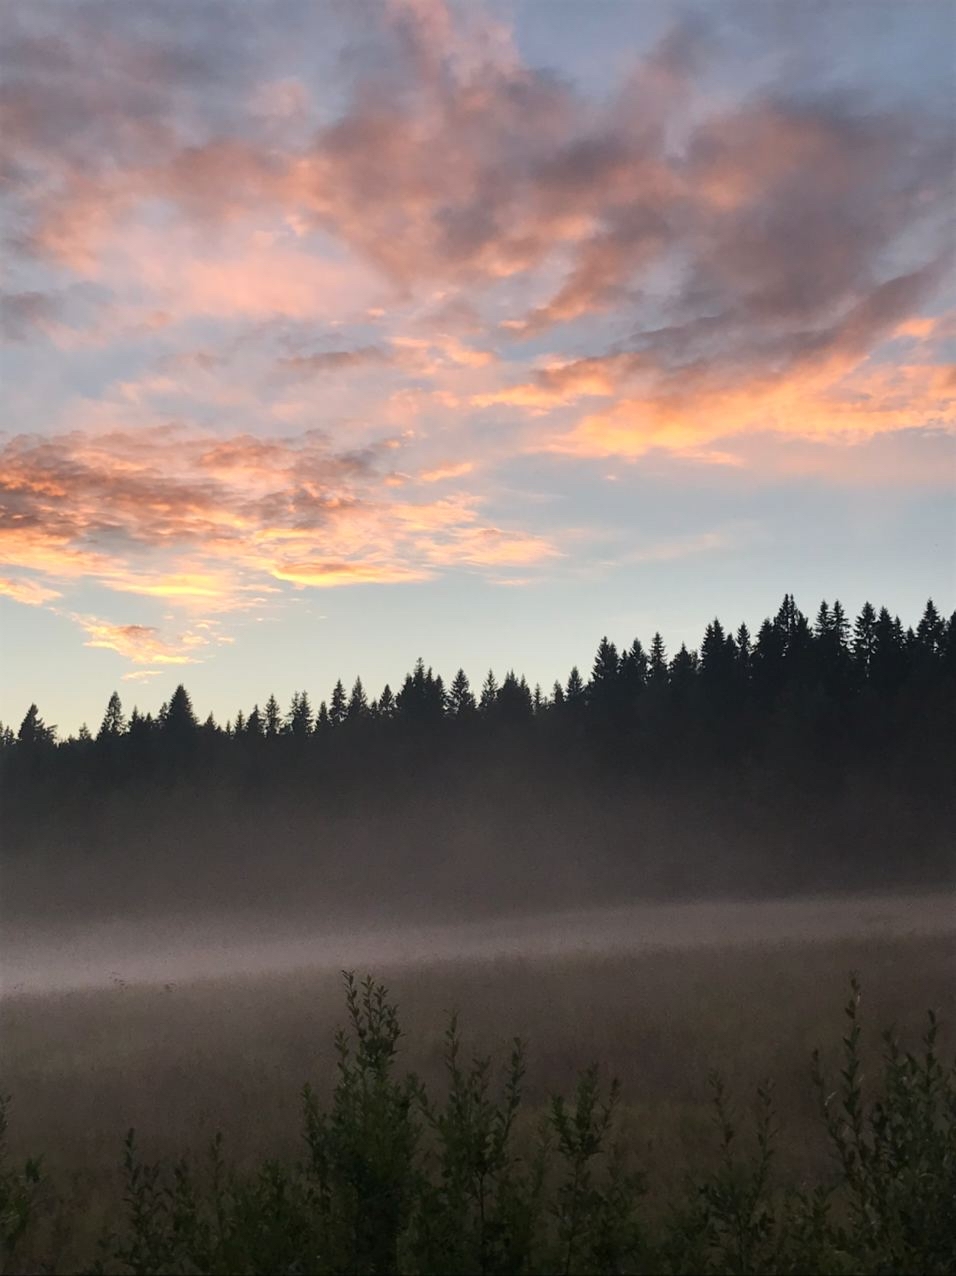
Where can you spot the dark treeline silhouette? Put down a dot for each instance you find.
(814, 754)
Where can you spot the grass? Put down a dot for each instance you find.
(181, 1063)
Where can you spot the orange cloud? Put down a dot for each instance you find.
(31, 592)
(451, 470)
(142, 644)
(216, 523)
(834, 402)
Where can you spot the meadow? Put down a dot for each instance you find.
(184, 1060)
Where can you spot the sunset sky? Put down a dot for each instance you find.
(336, 334)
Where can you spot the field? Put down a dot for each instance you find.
(182, 1060)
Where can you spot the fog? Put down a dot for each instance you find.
(48, 956)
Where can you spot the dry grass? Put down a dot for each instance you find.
(183, 1062)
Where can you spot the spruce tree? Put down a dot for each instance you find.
(338, 705)
(489, 694)
(114, 722)
(358, 703)
(461, 701)
(273, 718)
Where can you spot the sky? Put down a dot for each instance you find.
(336, 334)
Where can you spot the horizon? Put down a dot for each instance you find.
(226, 718)
(336, 336)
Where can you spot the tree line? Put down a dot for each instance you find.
(827, 663)
(814, 754)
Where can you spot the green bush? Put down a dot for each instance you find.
(394, 1180)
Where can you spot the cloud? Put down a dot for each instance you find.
(332, 361)
(288, 295)
(31, 592)
(216, 523)
(142, 644)
(451, 470)
(23, 313)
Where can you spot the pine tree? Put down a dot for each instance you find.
(744, 652)
(831, 653)
(114, 722)
(889, 657)
(273, 718)
(178, 718)
(575, 692)
(657, 674)
(767, 662)
(931, 630)
(34, 733)
(358, 703)
(947, 647)
(489, 694)
(513, 704)
(683, 673)
(299, 721)
(422, 697)
(386, 703)
(461, 701)
(338, 705)
(864, 641)
(718, 660)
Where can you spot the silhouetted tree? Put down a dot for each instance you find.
(338, 705)
(34, 733)
(489, 695)
(273, 718)
(114, 721)
(931, 630)
(864, 641)
(657, 672)
(513, 705)
(461, 702)
(299, 721)
(357, 709)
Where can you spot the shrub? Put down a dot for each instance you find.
(393, 1180)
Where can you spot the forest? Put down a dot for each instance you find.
(815, 754)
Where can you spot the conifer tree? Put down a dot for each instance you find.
(575, 692)
(744, 651)
(864, 640)
(931, 630)
(461, 701)
(178, 717)
(386, 703)
(338, 705)
(273, 718)
(489, 695)
(299, 721)
(513, 704)
(114, 722)
(358, 703)
(657, 675)
(683, 671)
